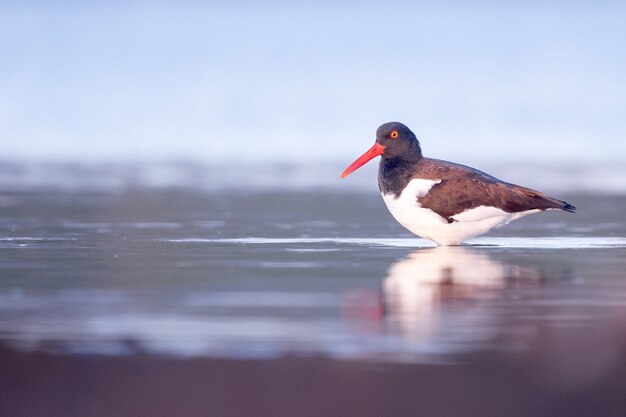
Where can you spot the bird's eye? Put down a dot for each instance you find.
(393, 134)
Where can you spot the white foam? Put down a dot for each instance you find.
(504, 242)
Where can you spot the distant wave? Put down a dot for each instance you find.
(565, 178)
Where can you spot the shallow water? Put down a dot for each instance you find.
(181, 271)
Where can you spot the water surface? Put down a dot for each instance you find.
(182, 271)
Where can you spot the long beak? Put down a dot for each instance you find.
(373, 152)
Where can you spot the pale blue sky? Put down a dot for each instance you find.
(274, 81)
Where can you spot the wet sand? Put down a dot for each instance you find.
(489, 384)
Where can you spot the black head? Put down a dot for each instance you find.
(393, 140)
(398, 140)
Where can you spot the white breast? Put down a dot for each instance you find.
(425, 223)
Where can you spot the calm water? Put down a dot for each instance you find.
(189, 271)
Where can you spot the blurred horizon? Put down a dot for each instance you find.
(478, 83)
(260, 177)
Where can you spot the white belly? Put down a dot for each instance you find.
(429, 225)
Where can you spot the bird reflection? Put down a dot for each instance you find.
(445, 296)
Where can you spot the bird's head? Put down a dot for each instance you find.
(393, 139)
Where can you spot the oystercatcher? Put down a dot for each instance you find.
(443, 201)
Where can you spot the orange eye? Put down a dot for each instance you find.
(393, 134)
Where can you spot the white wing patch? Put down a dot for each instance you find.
(425, 223)
(479, 213)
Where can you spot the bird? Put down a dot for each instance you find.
(443, 201)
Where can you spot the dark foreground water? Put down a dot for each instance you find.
(183, 273)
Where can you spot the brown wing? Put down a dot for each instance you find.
(429, 168)
(463, 188)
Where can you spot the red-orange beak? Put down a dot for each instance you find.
(373, 152)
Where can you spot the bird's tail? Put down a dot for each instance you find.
(568, 207)
(545, 202)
